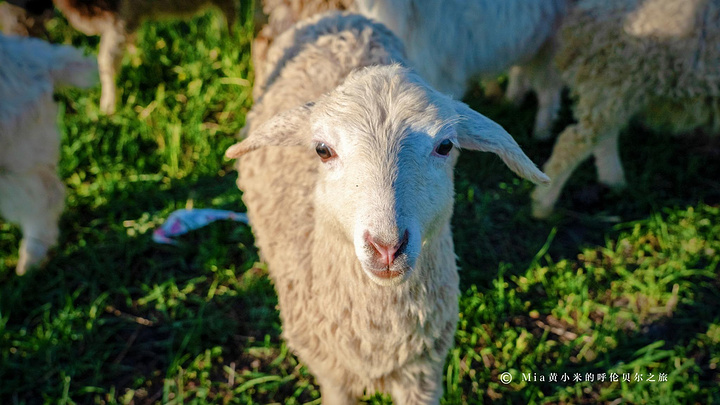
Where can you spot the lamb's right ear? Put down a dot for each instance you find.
(288, 128)
(477, 132)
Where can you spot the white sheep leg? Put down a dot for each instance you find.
(518, 85)
(228, 9)
(548, 108)
(112, 44)
(541, 75)
(34, 200)
(334, 393)
(607, 159)
(418, 389)
(571, 148)
(12, 18)
(545, 80)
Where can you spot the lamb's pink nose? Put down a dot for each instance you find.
(387, 252)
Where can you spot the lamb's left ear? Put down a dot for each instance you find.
(289, 128)
(477, 132)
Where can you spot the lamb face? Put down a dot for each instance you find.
(385, 142)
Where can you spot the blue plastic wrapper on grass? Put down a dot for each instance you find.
(183, 221)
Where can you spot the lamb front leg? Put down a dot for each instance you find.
(112, 47)
(607, 160)
(540, 75)
(518, 85)
(571, 148)
(334, 393)
(421, 386)
(34, 200)
(229, 10)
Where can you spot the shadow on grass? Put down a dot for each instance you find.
(113, 310)
(492, 222)
(493, 229)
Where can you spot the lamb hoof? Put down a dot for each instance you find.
(516, 96)
(540, 211)
(32, 253)
(542, 134)
(107, 108)
(614, 183)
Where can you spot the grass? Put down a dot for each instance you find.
(622, 283)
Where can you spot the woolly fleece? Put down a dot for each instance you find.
(658, 60)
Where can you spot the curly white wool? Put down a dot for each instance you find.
(654, 59)
(31, 193)
(451, 42)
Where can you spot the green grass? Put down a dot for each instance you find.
(614, 283)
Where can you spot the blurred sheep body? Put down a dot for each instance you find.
(358, 240)
(451, 42)
(283, 14)
(116, 20)
(31, 193)
(654, 59)
(25, 17)
(280, 16)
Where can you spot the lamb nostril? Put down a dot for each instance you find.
(387, 252)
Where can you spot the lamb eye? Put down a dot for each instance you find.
(444, 148)
(325, 152)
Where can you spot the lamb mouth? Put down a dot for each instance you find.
(387, 274)
(395, 274)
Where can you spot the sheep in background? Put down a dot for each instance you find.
(654, 59)
(347, 175)
(31, 193)
(280, 16)
(25, 17)
(283, 14)
(450, 42)
(115, 20)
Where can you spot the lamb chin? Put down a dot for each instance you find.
(394, 275)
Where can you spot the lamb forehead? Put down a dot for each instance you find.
(384, 102)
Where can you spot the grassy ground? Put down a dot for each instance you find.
(622, 283)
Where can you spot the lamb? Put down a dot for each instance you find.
(654, 59)
(347, 175)
(283, 14)
(451, 42)
(25, 17)
(115, 20)
(31, 193)
(280, 16)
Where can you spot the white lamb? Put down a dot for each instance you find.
(31, 193)
(116, 20)
(654, 59)
(347, 174)
(451, 42)
(280, 16)
(25, 17)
